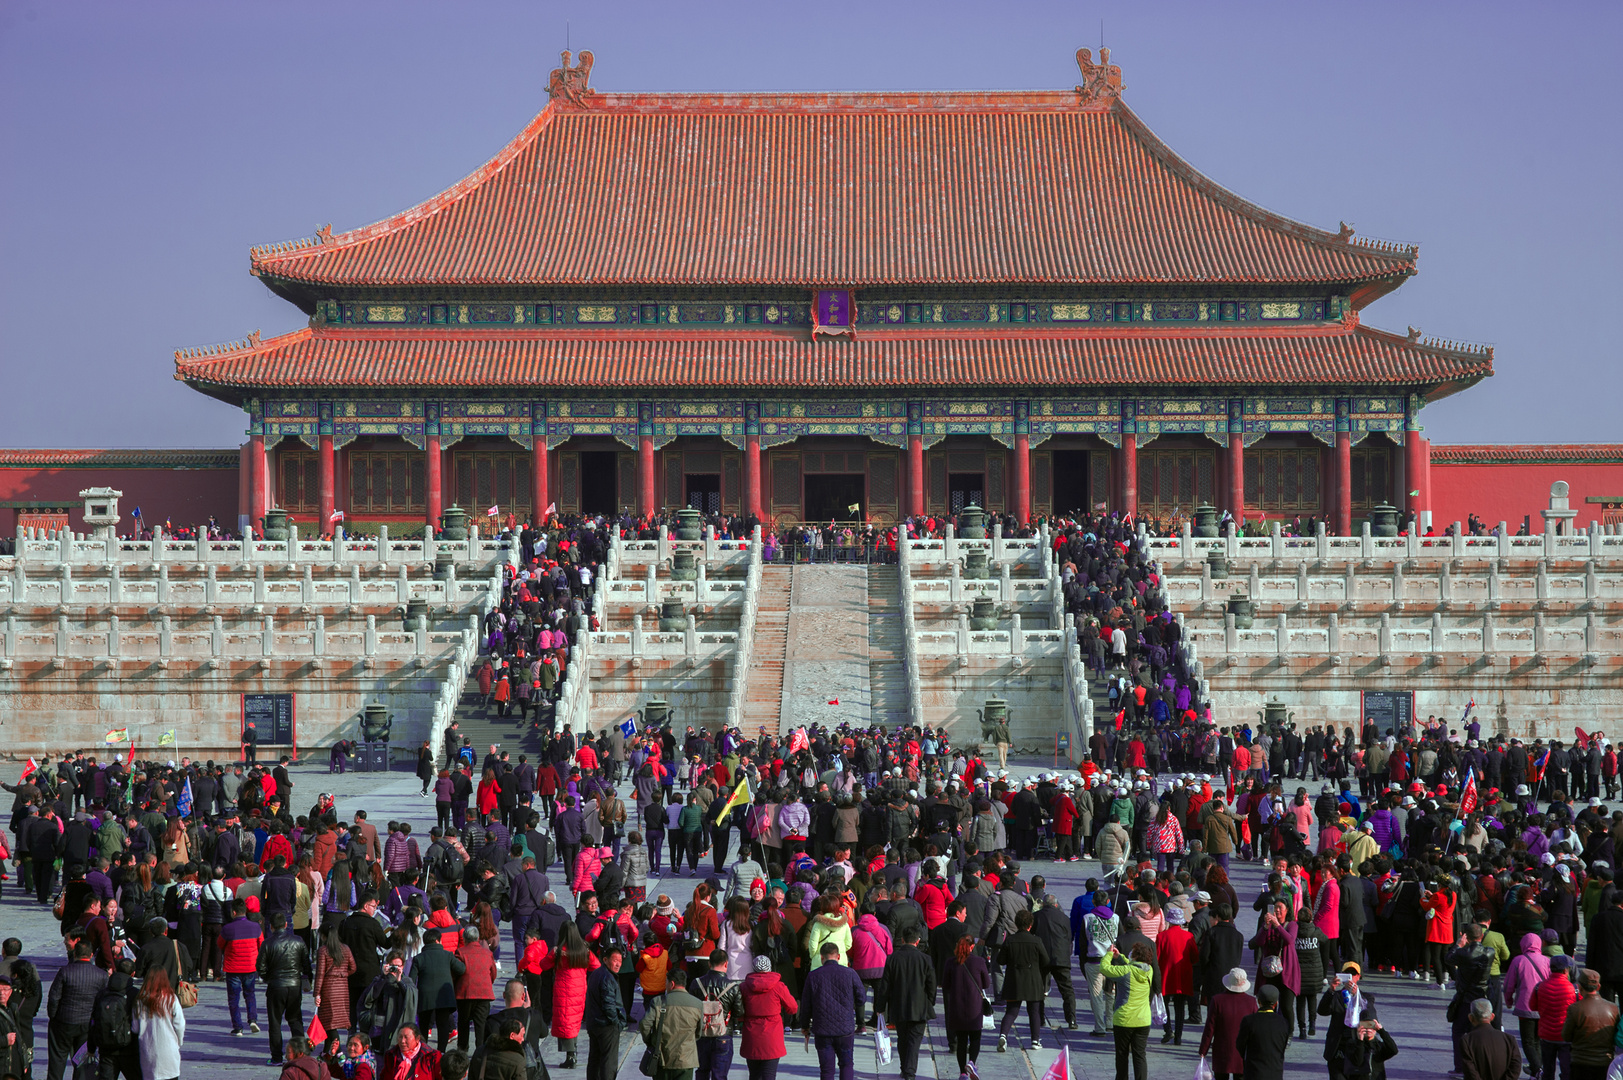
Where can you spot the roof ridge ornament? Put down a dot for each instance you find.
(570, 83)
(1346, 233)
(1100, 81)
(324, 234)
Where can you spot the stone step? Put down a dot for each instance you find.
(887, 678)
(763, 688)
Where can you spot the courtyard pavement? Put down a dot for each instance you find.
(1412, 1011)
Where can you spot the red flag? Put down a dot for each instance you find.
(33, 767)
(317, 1034)
(1061, 1069)
(131, 759)
(1468, 795)
(835, 701)
(798, 740)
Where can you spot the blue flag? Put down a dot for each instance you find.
(628, 726)
(184, 803)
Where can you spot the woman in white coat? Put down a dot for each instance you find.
(160, 1025)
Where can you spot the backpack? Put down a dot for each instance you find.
(715, 1020)
(110, 1021)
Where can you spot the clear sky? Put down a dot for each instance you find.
(145, 146)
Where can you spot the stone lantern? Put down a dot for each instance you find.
(454, 524)
(1205, 521)
(982, 614)
(672, 619)
(1383, 520)
(684, 565)
(972, 523)
(977, 564)
(689, 524)
(101, 511)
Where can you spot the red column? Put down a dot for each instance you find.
(1344, 508)
(1415, 460)
(260, 498)
(324, 465)
(436, 491)
(645, 475)
(915, 475)
(1237, 477)
(1129, 473)
(752, 476)
(540, 496)
(245, 481)
(1022, 478)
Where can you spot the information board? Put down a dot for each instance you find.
(1392, 710)
(273, 717)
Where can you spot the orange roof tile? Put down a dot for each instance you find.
(388, 358)
(833, 189)
(119, 459)
(1531, 454)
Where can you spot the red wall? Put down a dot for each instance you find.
(1512, 491)
(181, 496)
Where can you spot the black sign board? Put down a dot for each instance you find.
(1392, 710)
(272, 715)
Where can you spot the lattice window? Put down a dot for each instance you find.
(730, 467)
(569, 483)
(994, 482)
(387, 482)
(674, 495)
(1283, 481)
(882, 482)
(300, 479)
(786, 483)
(481, 480)
(1173, 480)
(812, 461)
(966, 461)
(938, 482)
(1042, 483)
(1099, 486)
(627, 483)
(1371, 477)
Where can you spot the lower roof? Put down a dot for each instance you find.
(1529, 454)
(1320, 355)
(119, 459)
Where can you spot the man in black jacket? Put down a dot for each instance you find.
(74, 991)
(944, 938)
(1605, 953)
(909, 998)
(1221, 950)
(43, 843)
(604, 1018)
(831, 1008)
(1263, 1037)
(365, 936)
(284, 964)
(1053, 929)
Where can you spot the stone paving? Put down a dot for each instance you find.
(828, 647)
(1412, 1010)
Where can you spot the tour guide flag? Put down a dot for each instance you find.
(33, 767)
(1061, 1069)
(739, 797)
(167, 738)
(183, 804)
(1468, 793)
(628, 726)
(117, 735)
(798, 740)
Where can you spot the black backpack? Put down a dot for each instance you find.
(110, 1021)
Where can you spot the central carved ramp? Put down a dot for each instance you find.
(828, 647)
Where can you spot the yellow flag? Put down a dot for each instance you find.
(167, 738)
(739, 797)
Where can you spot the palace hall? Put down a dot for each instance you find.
(851, 306)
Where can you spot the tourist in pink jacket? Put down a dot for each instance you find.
(588, 864)
(871, 947)
(1527, 970)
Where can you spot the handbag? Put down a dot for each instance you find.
(186, 992)
(649, 1065)
(1158, 1009)
(987, 1023)
(881, 1046)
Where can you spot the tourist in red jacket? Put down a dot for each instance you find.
(570, 965)
(1063, 810)
(765, 1000)
(239, 944)
(410, 1058)
(475, 989)
(1437, 908)
(1175, 953)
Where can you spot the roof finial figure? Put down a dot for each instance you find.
(1099, 81)
(570, 83)
(1414, 335)
(253, 339)
(1346, 232)
(324, 234)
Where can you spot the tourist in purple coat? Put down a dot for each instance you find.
(965, 979)
(1227, 1008)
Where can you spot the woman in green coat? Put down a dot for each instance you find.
(1132, 1017)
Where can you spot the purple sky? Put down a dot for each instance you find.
(147, 145)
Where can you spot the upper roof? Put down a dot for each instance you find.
(1341, 353)
(847, 189)
(119, 459)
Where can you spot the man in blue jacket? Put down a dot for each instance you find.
(830, 1003)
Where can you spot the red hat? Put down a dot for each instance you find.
(252, 902)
